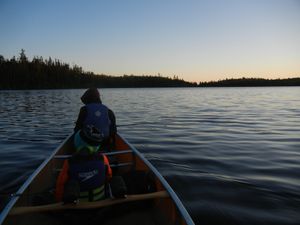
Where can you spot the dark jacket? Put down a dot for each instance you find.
(92, 95)
(82, 116)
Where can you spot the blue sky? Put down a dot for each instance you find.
(196, 40)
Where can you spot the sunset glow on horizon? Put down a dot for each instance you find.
(194, 40)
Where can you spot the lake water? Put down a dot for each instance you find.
(231, 154)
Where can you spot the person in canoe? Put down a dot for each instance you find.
(84, 176)
(96, 119)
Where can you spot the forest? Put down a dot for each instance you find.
(39, 73)
(251, 82)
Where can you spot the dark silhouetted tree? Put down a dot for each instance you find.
(49, 73)
(23, 57)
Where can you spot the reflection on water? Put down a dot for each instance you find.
(231, 154)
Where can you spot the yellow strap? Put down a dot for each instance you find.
(97, 193)
(98, 190)
(99, 196)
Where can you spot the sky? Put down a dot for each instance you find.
(200, 40)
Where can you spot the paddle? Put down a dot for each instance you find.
(86, 205)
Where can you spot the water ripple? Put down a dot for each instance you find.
(231, 154)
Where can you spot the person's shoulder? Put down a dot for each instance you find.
(107, 107)
(111, 113)
(83, 107)
(82, 111)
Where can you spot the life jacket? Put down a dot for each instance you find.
(90, 172)
(97, 117)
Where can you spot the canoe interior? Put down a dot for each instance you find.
(41, 188)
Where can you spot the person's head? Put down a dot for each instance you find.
(83, 143)
(91, 95)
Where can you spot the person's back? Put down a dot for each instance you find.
(97, 120)
(89, 171)
(87, 168)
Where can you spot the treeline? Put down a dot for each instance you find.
(251, 82)
(39, 73)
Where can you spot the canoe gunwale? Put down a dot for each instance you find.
(173, 195)
(14, 198)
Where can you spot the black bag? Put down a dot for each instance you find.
(71, 191)
(139, 182)
(118, 187)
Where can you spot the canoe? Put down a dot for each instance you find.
(159, 205)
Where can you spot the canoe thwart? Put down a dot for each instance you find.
(112, 166)
(107, 154)
(86, 205)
